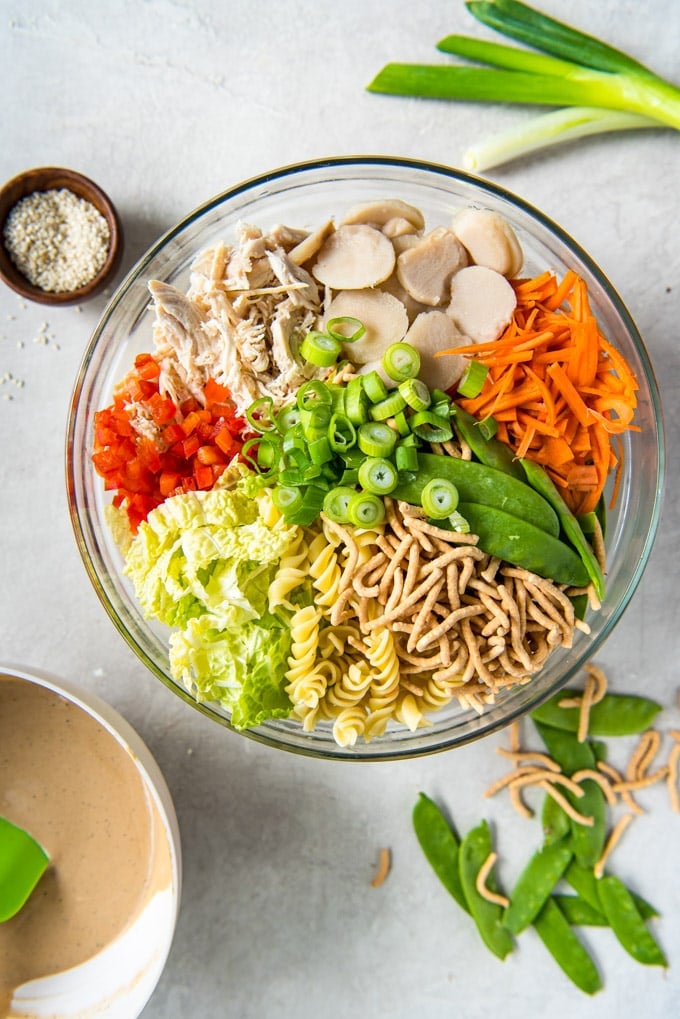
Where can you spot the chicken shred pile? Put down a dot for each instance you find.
(241, 322)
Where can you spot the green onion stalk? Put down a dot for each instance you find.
(597, 87)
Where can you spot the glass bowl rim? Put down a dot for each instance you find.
(278, 175)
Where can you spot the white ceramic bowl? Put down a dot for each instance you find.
(118, 981)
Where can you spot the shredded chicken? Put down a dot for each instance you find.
(241, 322)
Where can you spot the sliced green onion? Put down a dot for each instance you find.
(401, 361)
(353, 457)
(342, 434)
(315, 422)
(401, 423)
(472, 380)
(350, 476)
(439, 396)
(313, 394)
(488, 427)
(375, 438)
(439, 498)
(365, 510)
(336, 501)
(320, 349)
(287, 418)
(374, 387)
(309, 509)
(286, 498)
(294, 439)
(356, 401)
(245, 452)
(292, 477)
(336, 332)
(416, 393)
(260, 414)
(320, 451)
(268, 452)
(393, 403)
(406, 457)
(378, 475)
(430, 427)
(337, 397)
(458, 523)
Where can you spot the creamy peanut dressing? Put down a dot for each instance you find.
(77, 791)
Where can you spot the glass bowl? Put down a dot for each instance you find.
(305, 195)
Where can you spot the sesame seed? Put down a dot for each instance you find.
(57, 240)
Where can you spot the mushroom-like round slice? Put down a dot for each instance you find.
(383, 316)
(431, 332)
(399, 227)
(482, 303)
(489, 240)
(354, 257)
(394, 287)
(311, 244)
(381, 212)
(426, 268)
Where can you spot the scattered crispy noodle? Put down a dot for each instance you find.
(596, 776)
(384, 863)
(566, 805)
(612, 841)
(594, 690)
(514, 732)
(618, 778)
(672, 777)
(643, 755)
(529, 755)
(481, 886)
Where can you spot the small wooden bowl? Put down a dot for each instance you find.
(48, 178)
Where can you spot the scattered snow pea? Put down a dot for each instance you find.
(523, 544)
(614, 715)
(578, 912)
(628, 926)
(556, 934)
(535, 884)
(583, 881)
(474, 851)
(554, 821)
(489, 451)
(481, 484)
(587, 841)
(440, 845)
(539, 479)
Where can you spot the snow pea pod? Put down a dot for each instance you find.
(535, 884)
(523, 544)
(579, 913)
(558, 937)
(538, 477)
(583, 881)
(481, 484)
(614, 715)
(440, 845)
(628, 926)
(492, 451)
(554, 821)
(565, 749)
(474, 851)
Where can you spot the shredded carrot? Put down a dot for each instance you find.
(561, 393)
